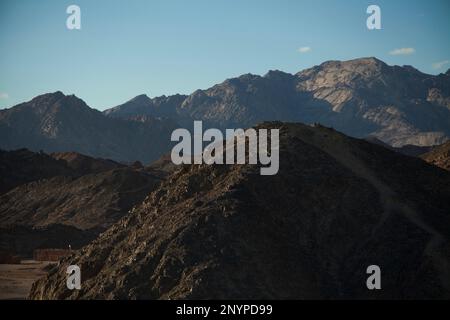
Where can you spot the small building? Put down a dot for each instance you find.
(50, 254)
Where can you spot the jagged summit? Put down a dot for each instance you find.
(52, 102)
(55, 122)
(57, 94)
(367, 61)
(278, 75)
(141, 98)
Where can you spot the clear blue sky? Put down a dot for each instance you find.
(126, 48)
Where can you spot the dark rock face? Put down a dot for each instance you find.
(57, 123)
(21, 166)
(439, 156)
(336, 206)
(361, 97)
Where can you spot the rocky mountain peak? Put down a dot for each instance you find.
(142, 98)
(45, 99)
(365, 67)
(278, 75)
(54, 102)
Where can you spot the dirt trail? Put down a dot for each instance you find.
(339, 151)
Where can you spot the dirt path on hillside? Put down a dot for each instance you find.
(389, 201)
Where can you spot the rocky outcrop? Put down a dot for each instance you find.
(439, 156)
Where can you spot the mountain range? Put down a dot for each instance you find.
(361, 98)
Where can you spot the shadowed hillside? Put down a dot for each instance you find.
(336, 206)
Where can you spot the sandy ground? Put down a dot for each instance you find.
(16, 279)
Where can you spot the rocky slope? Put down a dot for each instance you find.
(395, 103)
(21, 166)
(65, 198)
(336, 206)
(439, 156)
(55, 122)
(361, 97)
(93, 200)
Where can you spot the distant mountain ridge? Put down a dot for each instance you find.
(361, 97)
(55, 122)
